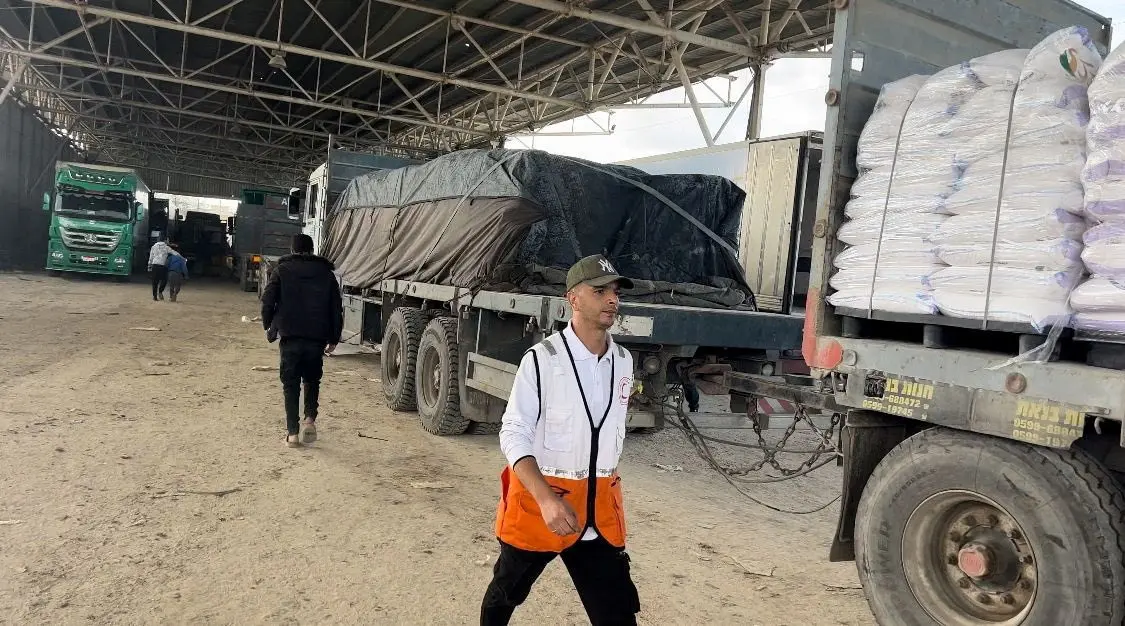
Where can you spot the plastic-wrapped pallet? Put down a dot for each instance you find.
(898, 286)
(912, 151)
(1014, 241)
(1100, 305)
(1104, 175)
(1100, 302)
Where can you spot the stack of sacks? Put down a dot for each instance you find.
(1014, 238)
(912, 152)
(1100, 302)
(902, 262)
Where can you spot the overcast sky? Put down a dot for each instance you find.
(794, 103)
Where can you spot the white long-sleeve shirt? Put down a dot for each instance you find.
(159, 254)
(521, 417)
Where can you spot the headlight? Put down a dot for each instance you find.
(119, 260)
(56, 255)
(768, 369)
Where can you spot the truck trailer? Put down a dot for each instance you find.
(99, 220)
(780, 176)
(454, 269)
(261, 229)
(982, 459)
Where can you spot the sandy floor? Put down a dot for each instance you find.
(118, 443)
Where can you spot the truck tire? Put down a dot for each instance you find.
(957, 528)
(400, 357)
(484, 428)
(439, 400)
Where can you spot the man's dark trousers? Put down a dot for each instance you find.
(159, 280)
(302, 360)
(600, 573)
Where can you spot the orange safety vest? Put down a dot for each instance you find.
(578, 460)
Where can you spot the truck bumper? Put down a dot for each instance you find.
(643, 419)
(62, 259)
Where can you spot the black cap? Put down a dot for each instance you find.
(596, 271)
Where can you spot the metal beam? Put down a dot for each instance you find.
(145, 166)
(62, 93)
(16, 75)
(554, 71)
(750, 38)
(66, 36)
(733, 110)
(223, 9)
(195, 151)
(639, 26)
(664, 105)
(189, 82)
(678, 59)
(288, 48)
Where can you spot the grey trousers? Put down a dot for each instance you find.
(175, 282)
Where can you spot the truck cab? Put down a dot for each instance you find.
(99, 217)
(329, 180)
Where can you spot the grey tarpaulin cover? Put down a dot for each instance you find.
(515, 220)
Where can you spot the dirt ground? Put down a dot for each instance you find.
(145, 480)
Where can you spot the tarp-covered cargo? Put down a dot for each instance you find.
(514, 220)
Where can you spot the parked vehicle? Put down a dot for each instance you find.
(262, 227)
(981, 485)
(451, 351)
(329, 180)
(99, 220)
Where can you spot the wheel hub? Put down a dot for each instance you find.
(968, 561)
(394, 357)
(975, 560)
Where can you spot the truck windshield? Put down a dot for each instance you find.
(102, 207)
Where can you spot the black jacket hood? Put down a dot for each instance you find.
(306, 257)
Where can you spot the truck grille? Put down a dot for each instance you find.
(86, 240)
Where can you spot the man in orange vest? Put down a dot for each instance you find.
(562, 435)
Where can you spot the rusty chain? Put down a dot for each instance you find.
(737, 476)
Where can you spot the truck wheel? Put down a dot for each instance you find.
(439, 401)
(400, 356)
(484, 428)
(964, 529)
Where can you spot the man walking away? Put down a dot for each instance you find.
(562, 434)
(158, 268)
(302, 304)
(177, 273)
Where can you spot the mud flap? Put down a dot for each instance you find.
(866, 439)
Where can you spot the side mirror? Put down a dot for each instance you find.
(140, 208)
(47, 201)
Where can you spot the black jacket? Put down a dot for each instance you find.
(302, 299)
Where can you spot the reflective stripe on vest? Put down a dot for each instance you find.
(592, 491)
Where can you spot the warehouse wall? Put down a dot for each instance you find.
(192, 185)
(28, 151)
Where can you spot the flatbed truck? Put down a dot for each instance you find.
(982, 461)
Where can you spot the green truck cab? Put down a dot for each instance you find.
(99, 217)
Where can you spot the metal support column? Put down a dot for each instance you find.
(754, 125)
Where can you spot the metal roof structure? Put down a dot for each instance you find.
(251, 91)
